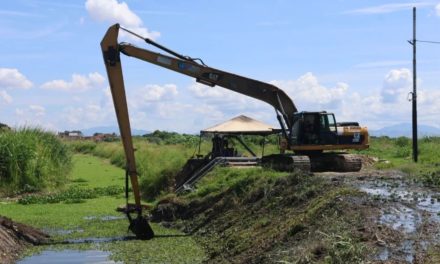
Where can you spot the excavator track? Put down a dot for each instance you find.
(337, 162)
(286, 162)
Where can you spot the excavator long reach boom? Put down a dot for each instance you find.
(111, 51)
(298, 136)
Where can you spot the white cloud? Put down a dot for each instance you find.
(32, 115)
(78, 83)
(308, 94)
(114, 12)
(388, 8)
(38, 110)
(203, 91)
(152, 94)
(12, 78)
(226, 99)
(84, 116)
(397, 84)
(5, 97)
(437, 9)
(157, 92)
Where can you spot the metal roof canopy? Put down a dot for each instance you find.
(241, 125)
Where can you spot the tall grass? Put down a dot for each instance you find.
(32, 159)
(156, 164)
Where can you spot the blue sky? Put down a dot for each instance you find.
(348, 57)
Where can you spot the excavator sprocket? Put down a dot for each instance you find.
(286, 162)
(337, 162)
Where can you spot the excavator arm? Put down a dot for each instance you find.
(111, 51)
(139, 225)
(201, 73)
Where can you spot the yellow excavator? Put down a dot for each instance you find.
(310, 135)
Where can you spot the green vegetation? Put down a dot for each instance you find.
(156, 164)
(32, 159)
(259, 216)
(239, 181)
(160, 155)
(249, 215)
(396, 153)
(172, 138)
(96, 218)
(74, 194)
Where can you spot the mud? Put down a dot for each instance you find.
(14, 237)
(408, 218)
(399, 220)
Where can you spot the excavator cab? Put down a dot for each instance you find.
(314, 128)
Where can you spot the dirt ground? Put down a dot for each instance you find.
(406, 215)
(371, 216)
(15, 237)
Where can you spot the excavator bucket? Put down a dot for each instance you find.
(140, 227)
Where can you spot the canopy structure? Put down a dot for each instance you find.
(241, 125)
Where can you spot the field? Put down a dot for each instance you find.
(244, 215)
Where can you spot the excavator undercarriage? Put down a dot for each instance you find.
(337, 162)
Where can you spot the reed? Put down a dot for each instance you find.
(32, 159)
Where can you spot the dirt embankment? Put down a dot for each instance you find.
(14, 237)
(298, 218)
(370, 216)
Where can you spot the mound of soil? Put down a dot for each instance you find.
(14, 237)
(291, 219)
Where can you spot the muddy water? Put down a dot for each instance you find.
(410, 209)
(69, 257)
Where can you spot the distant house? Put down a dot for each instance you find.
(74, 134)
(98, 137)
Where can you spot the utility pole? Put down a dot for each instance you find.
(414, 92)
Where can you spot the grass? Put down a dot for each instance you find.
(31, 160)
(259, 216)
(396, 153)
(289, 217)
(237, 180)
(156, 164)
(84, 220)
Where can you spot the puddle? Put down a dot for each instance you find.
(405, 207)
(69, 257)
(421, 198)
(384, 254)
(104, 218)
(402, 218)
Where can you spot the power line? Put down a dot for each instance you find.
(428, 41)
